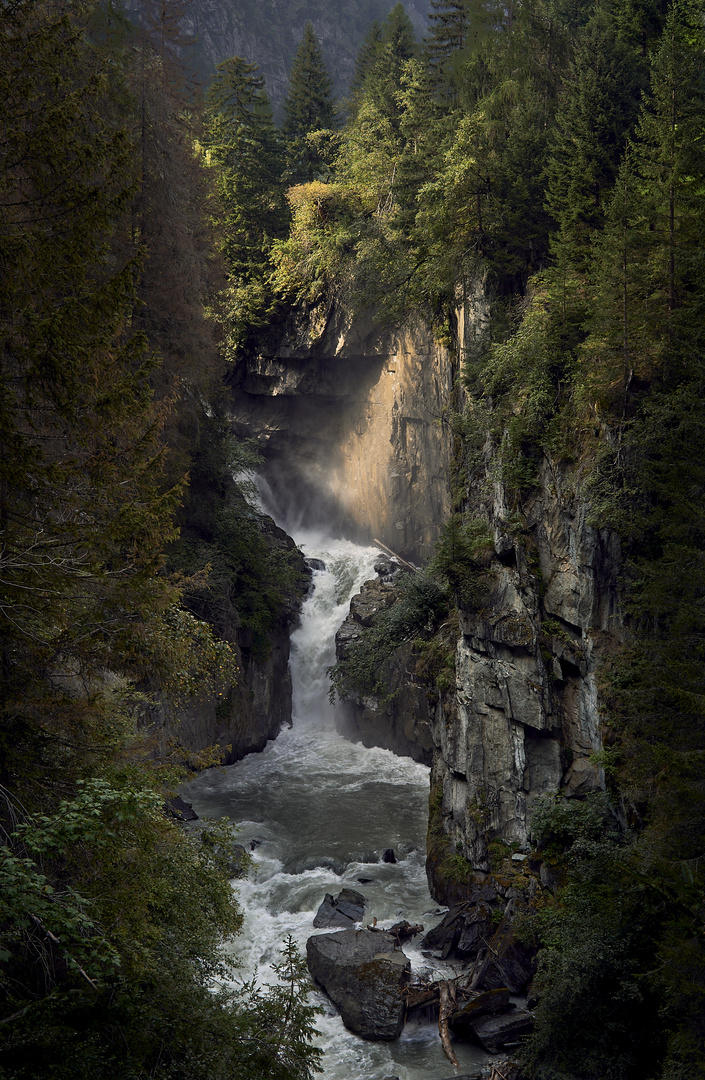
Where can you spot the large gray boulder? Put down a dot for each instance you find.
(363, 973)
(343, 910)
(494, 1032)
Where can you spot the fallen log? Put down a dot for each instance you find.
(446, 997)
(408, 565)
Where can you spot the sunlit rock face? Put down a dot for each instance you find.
(354, 423)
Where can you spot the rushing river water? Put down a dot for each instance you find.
(321, 811)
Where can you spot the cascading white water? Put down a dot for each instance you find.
(321, 812)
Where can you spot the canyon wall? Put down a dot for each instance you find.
(354, 424)
(524, 716)
(359, 421)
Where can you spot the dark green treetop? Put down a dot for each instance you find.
(308, 108)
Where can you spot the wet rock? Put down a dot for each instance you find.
(345, 909)
(489, 1001)
(315, 564)
(363, 974)
(388, 855)
(514, 969)
(494, 1032)
(178, 808)
(374, 597)
(386, 567)
(404, 931)
(316, 862)
(462, 932)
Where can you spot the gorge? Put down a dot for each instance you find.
(355, 427)
(457, 317)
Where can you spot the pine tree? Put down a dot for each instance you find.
(456, 28)
(648, 265)
(242, 143)
(595, 111)
(397, 46)
(364, 63)
(308, 108)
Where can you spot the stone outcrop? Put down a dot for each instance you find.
(523, 719)
(255, 708)
(363, 974)
(400, 720)
(343, 910)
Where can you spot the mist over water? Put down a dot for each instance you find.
(321, 811)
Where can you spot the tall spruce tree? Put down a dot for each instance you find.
(456, 27)
(364, 63)
(242, 142)
(397, 46)
(308, 108)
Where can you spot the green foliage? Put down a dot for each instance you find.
(461, 559)
(112, 919)
(239, 572)
(309, 110)
(242, 144)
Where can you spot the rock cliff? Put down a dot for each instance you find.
(354, 422)
(252, 710)
(269, 34)
(523, 718)
(364, 416)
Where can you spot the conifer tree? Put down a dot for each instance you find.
(308, 108)
(241, 141)
(595, 111)
(364, 63)
(456, 26)
(396, 47)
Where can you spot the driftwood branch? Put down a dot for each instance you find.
(446, 997)
(55, 941)
(408, 565)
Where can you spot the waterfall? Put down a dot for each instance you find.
(318, 812)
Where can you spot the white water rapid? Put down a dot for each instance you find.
(321, 811)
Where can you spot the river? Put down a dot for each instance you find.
(320, 811)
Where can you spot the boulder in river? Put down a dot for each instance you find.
(363, 974)
(488, 1001)
(494, 1032)
(342, 910)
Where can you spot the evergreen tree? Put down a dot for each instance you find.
(648, 267)
(364, 63)
(596, 109)
(397, 46)
(457, 26)
(242, 143)
(308, 108)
